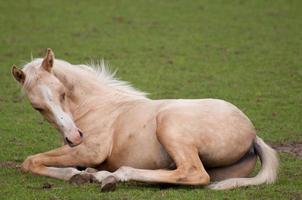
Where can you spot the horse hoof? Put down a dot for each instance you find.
(82, 178)
(108, 184)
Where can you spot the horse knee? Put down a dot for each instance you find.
(30, 164)
(25, 166)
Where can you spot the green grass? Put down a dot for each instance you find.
(246, 52)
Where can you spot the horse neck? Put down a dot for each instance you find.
(89, 94)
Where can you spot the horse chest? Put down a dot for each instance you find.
(138, 148)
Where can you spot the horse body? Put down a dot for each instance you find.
(202, 123)
(164, 141)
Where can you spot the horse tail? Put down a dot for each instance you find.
(267, 174)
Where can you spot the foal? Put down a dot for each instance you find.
(108, 125)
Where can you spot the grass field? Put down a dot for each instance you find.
(246, 52)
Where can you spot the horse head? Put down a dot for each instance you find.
(48, 95)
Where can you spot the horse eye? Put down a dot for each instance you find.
(63, 96)
(39, 109)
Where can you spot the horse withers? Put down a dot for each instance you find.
(108, 125)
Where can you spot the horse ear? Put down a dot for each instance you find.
(18, 74)
(48, 60)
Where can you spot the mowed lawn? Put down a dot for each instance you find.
(246, 52)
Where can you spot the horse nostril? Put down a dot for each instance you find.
(81, 134)
(68, 141)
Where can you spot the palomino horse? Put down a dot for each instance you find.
(109, 126)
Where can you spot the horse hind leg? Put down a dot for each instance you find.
(189, 172)
(267, 174)
(242, 168)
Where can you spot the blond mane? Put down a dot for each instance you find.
(99, 70)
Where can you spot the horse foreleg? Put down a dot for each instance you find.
(59, 163)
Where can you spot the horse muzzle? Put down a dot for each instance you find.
(74, 139)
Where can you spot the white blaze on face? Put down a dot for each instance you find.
(62, 119)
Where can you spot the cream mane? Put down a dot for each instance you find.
(99, 70)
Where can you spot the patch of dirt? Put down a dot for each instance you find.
(9, 164)
(45, 185)
(289, 147)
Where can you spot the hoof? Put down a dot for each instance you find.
(80, 179)
(108, 184)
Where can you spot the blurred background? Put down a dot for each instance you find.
(246, 52)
